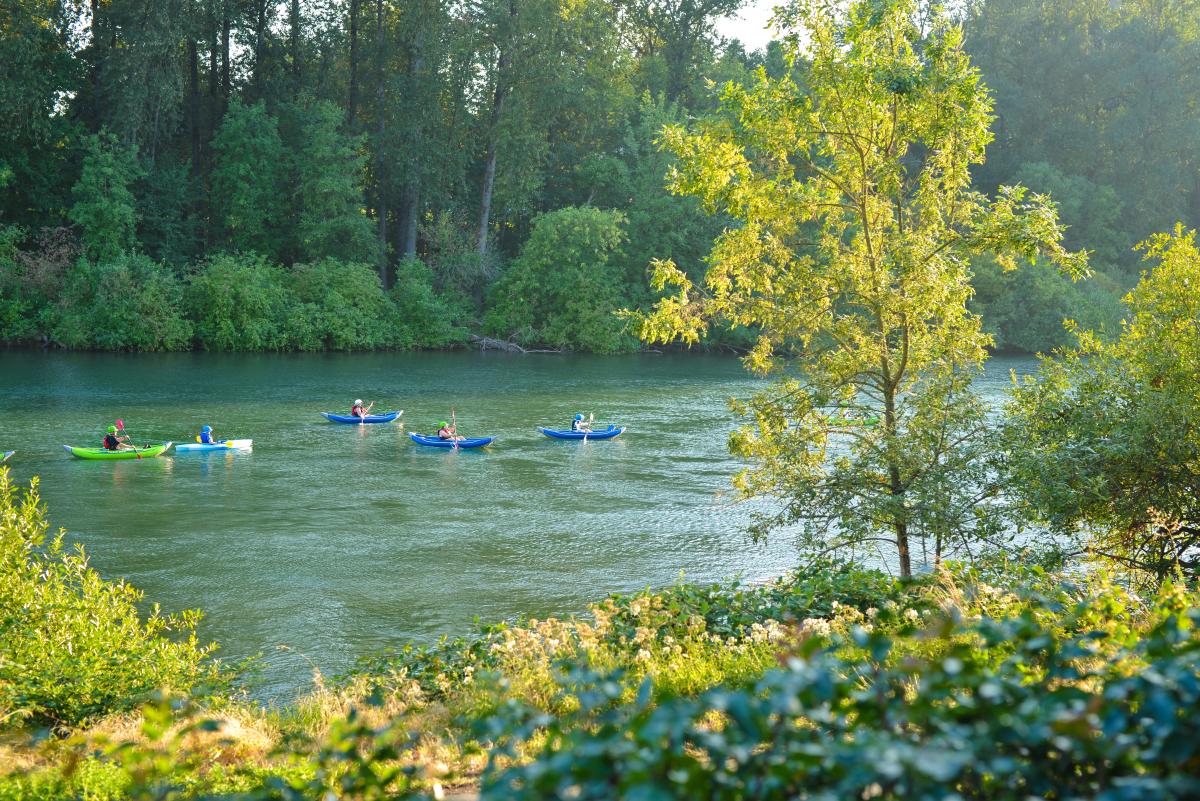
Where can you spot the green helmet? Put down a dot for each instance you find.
(443, 424)
(112, 429)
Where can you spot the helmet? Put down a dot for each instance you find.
(112, 429)
(579, 417)
(358, 402)
(206, 429)
(443, 424)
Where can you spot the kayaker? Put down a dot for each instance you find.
(358, 411)
(113, 442)
(448, 431)
(579, 424)
(206, 435)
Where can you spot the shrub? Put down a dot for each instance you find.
(239, 302)
(426, 317)
(74, 647)
(129, 303)
(340, 305)
(1049, 719)
(564, 290)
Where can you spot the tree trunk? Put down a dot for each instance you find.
(225, 87)
(381, 208)
(260, 32)
(412, 191)
(295, 43)
(489, 165)
(896, 484)
(353, 100)
(214, 55)
(193, 56)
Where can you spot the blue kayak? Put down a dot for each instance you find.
(4, 456)
(370, 418)
(434, 442)
(608, 433)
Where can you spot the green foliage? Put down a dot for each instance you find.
(426, 318)
(248, 197)
(239, 302)
(564, 290)
(104, 206)
(1046, 718)
(1105, 437)
(128, 303)
(1029, 309)
(329, 208)
(856, 223)
(340, 306)
(74, 647)
(31, 280)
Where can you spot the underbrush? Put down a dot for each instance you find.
(834, 682)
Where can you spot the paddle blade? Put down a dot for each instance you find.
(120, 424)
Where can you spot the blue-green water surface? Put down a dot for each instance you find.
(337, 541)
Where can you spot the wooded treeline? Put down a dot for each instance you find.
(226, 173)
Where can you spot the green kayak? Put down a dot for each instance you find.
(101, 453)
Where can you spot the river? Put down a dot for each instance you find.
(337, 541)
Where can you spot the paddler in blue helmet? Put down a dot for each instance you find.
(579, 424)
(206, 436)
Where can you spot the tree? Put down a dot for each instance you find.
(1105, 440)
(563, 291)
(330, 211)
(856, 223)
(248, 200)
(104, 206)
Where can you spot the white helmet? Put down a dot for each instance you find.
(358, 402)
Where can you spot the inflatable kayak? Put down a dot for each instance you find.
(107, 455)
(223, 445)
(4, 456)
(370, 418)
(434, 442)
(607, 433)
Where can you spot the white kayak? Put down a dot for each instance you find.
(223, 445)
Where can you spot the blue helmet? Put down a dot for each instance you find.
(579, 417)
(205, 429)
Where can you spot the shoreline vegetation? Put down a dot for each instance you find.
(999, 675)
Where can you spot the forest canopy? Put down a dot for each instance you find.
(142, 143)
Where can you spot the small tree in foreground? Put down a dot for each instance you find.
(851, 260)
(1106, 438)
(74, 647)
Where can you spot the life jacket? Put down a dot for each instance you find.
(444, 433)
(111, 443)
(356, 411)
(576, 425)
(206, 438)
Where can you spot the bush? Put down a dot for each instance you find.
(1049, 719)
(239, 302)
(564, 290)
(340, 305)
(426, 317)
(74, 647)
(31, 280)
(129, 303)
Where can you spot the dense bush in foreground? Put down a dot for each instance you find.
(1050, 719)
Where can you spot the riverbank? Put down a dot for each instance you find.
(495, 712)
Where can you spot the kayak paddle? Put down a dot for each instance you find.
(121, 428)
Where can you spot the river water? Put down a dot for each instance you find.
(337, 541)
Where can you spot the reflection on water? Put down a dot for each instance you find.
(339, 540)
